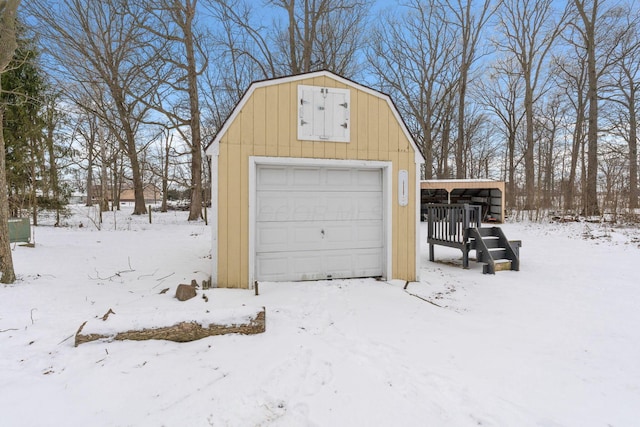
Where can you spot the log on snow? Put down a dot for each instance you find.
(180, 332)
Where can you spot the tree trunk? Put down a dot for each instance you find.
(165, 188)
(633, 153)
(575, 154)
(460, 141)
(181, 332)
(590, 195)
(33, 194)
(165, 172)
(529, 163)
(549, 176)
(8, 47)
(195, 211)
(53, 167)
(591, 191)
(292, 38)
(104, 180)
(7, 272)
(89, 201)
(139, 207)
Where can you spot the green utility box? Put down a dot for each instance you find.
(19, 230)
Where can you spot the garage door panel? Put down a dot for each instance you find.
(273, 237)
(305, 207)
(333, 264)
(307, 265)
(289, 266)
(305, 177)
(279, 237)
(370, 234)
(314, 236)
(339, 265)
(339, 235)
(272, 176)
(272, 267)
(312, 178)
(368, 263)
(320, 206)
(305, 236)
(369, 179)
(340, 178)
(369, 206)
(275, 208)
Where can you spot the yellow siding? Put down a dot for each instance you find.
(285, 121)
(267, 126)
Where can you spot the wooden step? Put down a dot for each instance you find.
(502, 264)
(498, 253)
(486, 231)
(491, 242)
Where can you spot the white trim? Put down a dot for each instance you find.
(238, 108)
(418, 236)
(214, 153)
(387, 182)
(387, 199)
(253, 185)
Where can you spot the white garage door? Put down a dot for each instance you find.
(318, 223)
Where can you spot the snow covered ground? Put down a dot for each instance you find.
(555, 344)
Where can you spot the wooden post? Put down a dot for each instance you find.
(149, 214)
(205, 216)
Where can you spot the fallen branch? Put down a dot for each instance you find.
(67, 338)
(424, 299)
(162, 279)
(106, 315)
(7, 330)
(181, 332)
(148, 275)
(116, 274)
(406, 284)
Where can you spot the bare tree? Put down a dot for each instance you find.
(322, 34)
(312, 35)
(528, 32)
(588, 32)
(612, 175)
(413, 58)
(548, 127)
(570, 74)
(8, 47)
(624, 90)
(470, 18)
(501, 94)
(166, 142)
(52, 118)
(482, 152)
(100, 45)
(599, 33)
(175, 22)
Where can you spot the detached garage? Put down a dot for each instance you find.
(314, 177)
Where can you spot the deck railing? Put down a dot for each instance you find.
(448, 223)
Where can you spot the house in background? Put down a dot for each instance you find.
(152, 194)
(314, 177)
